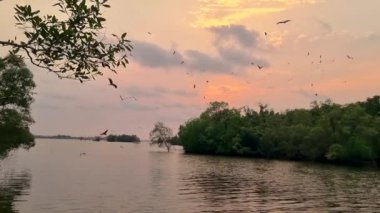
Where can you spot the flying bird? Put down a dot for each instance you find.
(284, 22)
(194, 86)
(132, 97)
(149, 33)
(206, 81)
(252, 63)
(182, 62)
(350, 57)
(260, 67)
(265, 33)
(308, 53)
(104, 133)
(173, 52)
(111, 83)
(121, 98)
(83, 153)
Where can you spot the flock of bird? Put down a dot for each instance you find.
(260, 67)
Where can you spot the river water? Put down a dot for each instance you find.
(53, 176)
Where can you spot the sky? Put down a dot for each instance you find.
(221, 43)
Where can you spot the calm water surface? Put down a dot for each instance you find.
(120, 177)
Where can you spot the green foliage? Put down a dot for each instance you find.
(326, 132)
(73, 47)
(161, 135)
(16, 85)
(122, 138)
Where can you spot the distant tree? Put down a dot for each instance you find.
(73, 47)
(122, 138)
(161, 135)
(111, 138)
(16, 90)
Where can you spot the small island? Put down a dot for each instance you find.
(110, 138)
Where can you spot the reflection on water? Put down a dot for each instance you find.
(221, 184)
(140, 178)
(12, 186)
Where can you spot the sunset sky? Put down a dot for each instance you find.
(217, 40)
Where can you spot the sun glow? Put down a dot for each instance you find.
(225, 12)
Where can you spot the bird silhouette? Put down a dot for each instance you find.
(104, 133)
(132, 97)
(182, 62)
(149, 33)
(284, 22)
(265, 33)
(83, 153)
(308, 53)
(173, 52)
(194, 86)
(252, 63)
(260, 67)
(121, 98)
(206, 81)
(350, 57)
(111, 83)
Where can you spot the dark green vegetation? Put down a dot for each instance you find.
(122, 138)
(72, 47)
(16, 86)
(326, 132)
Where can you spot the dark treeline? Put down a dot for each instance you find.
(326, 132)
(122, 138)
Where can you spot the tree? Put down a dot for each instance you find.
(16, 90)
(161, 135)
(73, 47)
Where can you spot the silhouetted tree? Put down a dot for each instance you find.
(73, 47)
(161, 135)
(16, 90)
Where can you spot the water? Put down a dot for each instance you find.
(124, 177)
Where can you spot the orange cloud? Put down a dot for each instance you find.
(226, 12)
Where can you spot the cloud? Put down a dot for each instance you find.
(226, 12)
(151, 55)
(202, 62)
(239, 33)
(157, 92)
(235, 47)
